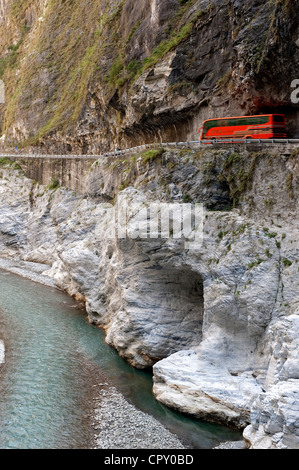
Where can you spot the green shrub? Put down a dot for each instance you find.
(54, 184)
(151, 155)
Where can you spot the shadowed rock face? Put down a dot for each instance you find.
(142, 74)
(172, 296)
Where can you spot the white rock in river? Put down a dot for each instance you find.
(2, 351)
(204, 388)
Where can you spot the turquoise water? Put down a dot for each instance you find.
(54, 358)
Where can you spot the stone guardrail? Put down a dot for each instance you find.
(274, 143)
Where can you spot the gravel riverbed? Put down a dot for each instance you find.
(119, 425)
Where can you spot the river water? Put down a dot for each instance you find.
(54, 359)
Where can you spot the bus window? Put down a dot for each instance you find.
(277, 118)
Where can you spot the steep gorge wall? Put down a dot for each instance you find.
(71, 173)
(87, 77)
(253, 178)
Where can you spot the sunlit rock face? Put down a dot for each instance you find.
(90, 78)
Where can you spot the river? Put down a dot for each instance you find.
(54, 358)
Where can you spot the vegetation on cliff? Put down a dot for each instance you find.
(79, 72)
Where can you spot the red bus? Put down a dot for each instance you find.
(266, 126)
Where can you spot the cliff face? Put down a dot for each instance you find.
(91, 76)
(219, 324)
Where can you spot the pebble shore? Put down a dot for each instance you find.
(119, 425)
(27, 269)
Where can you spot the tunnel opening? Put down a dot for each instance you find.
(173, 301)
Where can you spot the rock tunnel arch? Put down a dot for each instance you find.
(167, 311)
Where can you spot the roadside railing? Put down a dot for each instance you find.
(195, 144)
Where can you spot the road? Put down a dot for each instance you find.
(285, 146)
